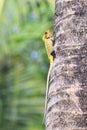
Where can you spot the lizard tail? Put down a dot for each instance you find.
(47, 88)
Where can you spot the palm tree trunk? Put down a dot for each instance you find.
(67, 95)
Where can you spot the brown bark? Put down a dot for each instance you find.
(67, 95)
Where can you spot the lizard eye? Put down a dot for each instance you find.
(45, 32)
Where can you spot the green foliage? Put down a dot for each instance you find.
(23, 63)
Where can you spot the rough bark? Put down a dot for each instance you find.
(67, 95)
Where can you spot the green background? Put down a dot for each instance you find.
(23, 62)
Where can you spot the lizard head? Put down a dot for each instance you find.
(46, 35)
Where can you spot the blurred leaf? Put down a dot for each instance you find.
(23, 62)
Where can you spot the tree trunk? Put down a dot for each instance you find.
(67, 95)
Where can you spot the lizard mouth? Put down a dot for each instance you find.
(47, 37)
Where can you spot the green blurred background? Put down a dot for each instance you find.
(23, 62)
